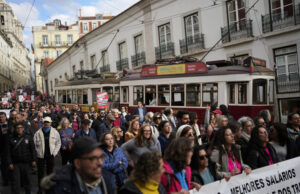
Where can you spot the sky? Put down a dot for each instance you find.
(44, 11)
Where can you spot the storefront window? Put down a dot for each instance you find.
(259, 91)
(150, 95)
(138, 94)
(242, 93)
(178, 95)
(164, 95)
(193, 94)
(210, 94)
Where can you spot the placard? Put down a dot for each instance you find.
(102, 100)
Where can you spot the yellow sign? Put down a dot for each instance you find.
(171, 69)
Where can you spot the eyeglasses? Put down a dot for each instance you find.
(202, 157)
(94, 159)
(263, 132)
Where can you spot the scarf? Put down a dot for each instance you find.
(245, 136)
(46, 130)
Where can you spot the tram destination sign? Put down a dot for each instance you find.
(187, 68)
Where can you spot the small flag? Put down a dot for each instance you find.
(252, 65)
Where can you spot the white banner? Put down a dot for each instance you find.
(280, 178)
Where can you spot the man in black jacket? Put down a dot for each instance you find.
(84, 175)
(3, 143)
(20, 156)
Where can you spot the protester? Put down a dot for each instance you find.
(76, 121)
(293, 126)
(148, 118)
(66, 135)
(154, 125)
(260, 152)
(85, 174)
(165, 136)
(141, 111)
(3, 143)
(85, 131)
(227, 155)
(106, 126)
(146, 176)
(183, 118)
(38, 121)
(142, 142)
(20, 157)
(177, 175)
(115, 160)
(133, 130)
(225, 111)
(123, 115)
(117, 121)
(284, 146)
(168, 116)
(87, 116)
(203, 169)
(118, 135)
(243, 141)
(47, 144)
(266, 115)
(195, 126)
(186, 131)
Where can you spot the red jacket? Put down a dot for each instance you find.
(174, 184)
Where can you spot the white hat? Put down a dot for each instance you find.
(180, 129)
(47, 119)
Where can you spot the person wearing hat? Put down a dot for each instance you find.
(20, 157)
(47, 144)
(106, 126)
(84, 174)
(85, 130)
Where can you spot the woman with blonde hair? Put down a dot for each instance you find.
(133, 130)
(118, 135)
(148, 118)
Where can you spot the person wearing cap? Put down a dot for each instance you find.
(20, 157)
(85, 130)
(47, 144)
(106, 126)
(84, 175)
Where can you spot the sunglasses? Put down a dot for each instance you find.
(202, 157)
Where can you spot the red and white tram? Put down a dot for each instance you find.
(193, 86)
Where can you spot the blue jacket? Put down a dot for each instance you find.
(136, 112)
(104, 128)
(66, 182)
(81, 133)
(112, 164)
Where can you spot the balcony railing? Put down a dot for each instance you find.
(165, 51)
(191, 43)
(122, 64)
(237, 30)
(275, 21)
(138, 59)
(105, 68)
(54, 44)
(289, 83)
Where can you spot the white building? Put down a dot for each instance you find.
(150, 30)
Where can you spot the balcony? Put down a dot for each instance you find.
(288, 83)
(54, 44)
(276, 21)
(122, 64)
(138, 59)
(105, 68)
(165, 51)
(192, 43)
(237, 30)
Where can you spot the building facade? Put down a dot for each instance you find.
(210, 31)
(49, 42)
(13, 29)
(88, 23)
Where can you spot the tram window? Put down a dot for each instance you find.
(271, 91)
(64, 96)
(232, 93)
(242, 93)
(177, 95)
(117, 94)
(138, 94)
(125, 94)
(259, 91)
(79, 96)
(74, 98)
(164, 95)
(69, 96)
(60, 96)
(109, 91)
(193, 94)
(94, 93)
(150, 95)
(210, 94)
(84, 97)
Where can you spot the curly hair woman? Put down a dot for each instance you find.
(146, 176)
(177, 158)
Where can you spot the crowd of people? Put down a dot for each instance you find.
(112, 151)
